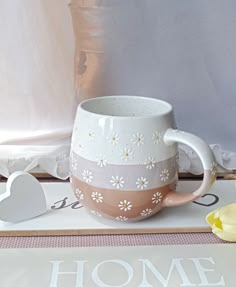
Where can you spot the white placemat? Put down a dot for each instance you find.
(160, 266)
(66, 216)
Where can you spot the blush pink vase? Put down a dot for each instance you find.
(89, 68)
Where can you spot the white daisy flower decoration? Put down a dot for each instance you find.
(102, 161)
(156, 198)
(146, 212)
(114, 139)
(156, 137)
(125, 205)
(141, 183)
(96, 213)
(96, 196)
(149, 162)
(164, 174)
(79, 194)
(138, 139)
(121, 218)
(117, 181)
(87, 176)
(126, 154)
(74, 163)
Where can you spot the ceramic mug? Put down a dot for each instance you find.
(123, 157)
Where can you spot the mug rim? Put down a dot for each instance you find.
(168, 106)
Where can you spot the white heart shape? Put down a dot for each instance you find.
(24, 198)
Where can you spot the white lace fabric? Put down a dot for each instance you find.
(190, 162)
(53, 160)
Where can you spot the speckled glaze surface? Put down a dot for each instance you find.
(123, 130)
(123, 157)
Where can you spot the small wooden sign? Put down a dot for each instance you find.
(66, 216)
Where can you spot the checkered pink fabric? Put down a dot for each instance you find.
(108, 240)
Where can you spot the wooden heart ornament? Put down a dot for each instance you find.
(23, 199)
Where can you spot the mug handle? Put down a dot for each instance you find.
(208, 161)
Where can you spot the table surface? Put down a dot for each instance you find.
(109, 240)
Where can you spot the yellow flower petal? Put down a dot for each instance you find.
(223, 222)
(224, 235)
(228, 214)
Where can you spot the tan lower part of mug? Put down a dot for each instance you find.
(120, 205)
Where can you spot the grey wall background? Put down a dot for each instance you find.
(184, 52)
(180, 51)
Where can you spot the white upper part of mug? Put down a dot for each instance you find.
(123, 130)
(126, 106)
